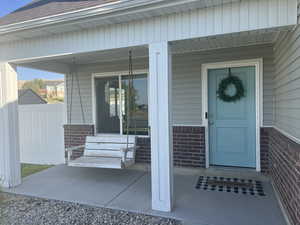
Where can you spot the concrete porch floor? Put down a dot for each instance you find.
(131, 190)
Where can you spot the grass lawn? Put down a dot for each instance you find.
(28, 169)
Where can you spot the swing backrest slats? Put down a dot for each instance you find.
(108, 146)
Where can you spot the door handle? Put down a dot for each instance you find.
(211, 123)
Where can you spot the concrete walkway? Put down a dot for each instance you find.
(131, 190)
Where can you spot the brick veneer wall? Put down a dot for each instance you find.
(284, 156)
(75, 135)
(188, 144)
(189, 147)
(264, 149)
(143, 150)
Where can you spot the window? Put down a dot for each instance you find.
(116, 112)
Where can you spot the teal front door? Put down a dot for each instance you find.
(232, 132)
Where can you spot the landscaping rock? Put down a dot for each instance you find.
(23, 210)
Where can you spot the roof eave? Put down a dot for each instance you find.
(111, 9)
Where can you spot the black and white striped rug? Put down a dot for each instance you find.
(234, 185)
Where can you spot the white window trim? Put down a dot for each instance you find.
(258, 63)
(112, 74)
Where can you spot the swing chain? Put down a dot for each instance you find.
(74, 73)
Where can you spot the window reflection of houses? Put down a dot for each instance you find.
(113, 100)
(55, 89)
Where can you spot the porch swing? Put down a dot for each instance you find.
(109, 151)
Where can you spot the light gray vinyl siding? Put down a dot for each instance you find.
(73, 104)
(287, 83)
(186, 81)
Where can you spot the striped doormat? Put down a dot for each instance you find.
(234, 185)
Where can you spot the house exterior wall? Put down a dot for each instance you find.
(186, 82)
(284, 144)
(188, 147)
(85, 83)
(265, 149)
(284, 168)
(227, 18)
(188, 141)
(287, 83)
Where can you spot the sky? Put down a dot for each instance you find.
(8, 6)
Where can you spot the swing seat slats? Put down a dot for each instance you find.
(105, 152)
(100, 162)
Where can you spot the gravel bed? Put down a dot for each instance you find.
(23, 210)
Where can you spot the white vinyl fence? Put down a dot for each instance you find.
(41, 133)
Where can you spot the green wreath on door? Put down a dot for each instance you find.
(226, 83)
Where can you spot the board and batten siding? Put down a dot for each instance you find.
(244, 15)
(287, 83)
(186, 82)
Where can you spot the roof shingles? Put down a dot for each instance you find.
(43, 8)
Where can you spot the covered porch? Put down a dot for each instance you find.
(181, 112)
(175, 104)
(130, 190)
(173, 97)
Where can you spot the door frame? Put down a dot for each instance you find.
(258, 63)
(118, 74)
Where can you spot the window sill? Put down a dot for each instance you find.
(107, 134)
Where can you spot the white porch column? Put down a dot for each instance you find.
(160, 80)
(10, 173)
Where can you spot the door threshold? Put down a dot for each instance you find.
(233, 168)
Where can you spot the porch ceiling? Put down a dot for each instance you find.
(62, 63)
(228, 41)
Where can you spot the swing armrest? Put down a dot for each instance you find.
(125, 151)
(71, 149)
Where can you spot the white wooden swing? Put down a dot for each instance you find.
(109, 151)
